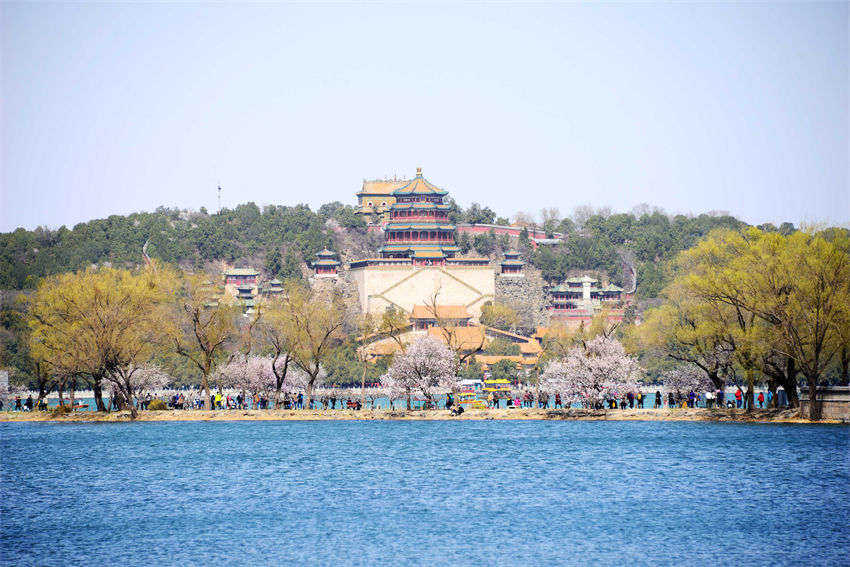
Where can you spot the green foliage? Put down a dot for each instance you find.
(464, 242)
(187, 238)
(653, 239)
(504, 370)
(157, 405)
(476, 214)
(345, 367)
(471, 371)
(502, 347)
(485, 244)
(286, 267)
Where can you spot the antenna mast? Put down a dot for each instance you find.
(219, 198)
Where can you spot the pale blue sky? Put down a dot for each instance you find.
(117, 108)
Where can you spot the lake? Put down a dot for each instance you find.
(420, 493)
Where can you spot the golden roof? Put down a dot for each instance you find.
(382, 348)
(382, 186)
(488, 359)
(464, 338)
(530, 347)
(419, 186)
(443, 312)
(428, 254)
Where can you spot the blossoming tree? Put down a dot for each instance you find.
(592, 371)
(426, 367)
(687, 379)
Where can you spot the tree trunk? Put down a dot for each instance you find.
(205, 384)
(72, 394)
(97, 390)
(308, 398)
(815, 403)
(789, 383)
(845, 366)
(363, 384)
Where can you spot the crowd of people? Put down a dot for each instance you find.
(337, 398)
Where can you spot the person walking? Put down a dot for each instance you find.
(671, 400)
(558, 404)
(739, 395)
(761, 400)
(658, 403)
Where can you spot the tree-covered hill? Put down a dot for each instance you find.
(243, 234)
(647, 241)
(278, 239)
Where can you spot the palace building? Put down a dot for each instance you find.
(376, 197)
(512, 265)
(418, 259)
(327, 265)
(419, 227)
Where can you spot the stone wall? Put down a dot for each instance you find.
(405, 286)
(834, 402)
(525, 295)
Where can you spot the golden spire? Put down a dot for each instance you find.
(418, 172)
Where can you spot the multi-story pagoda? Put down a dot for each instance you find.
(419, 226)
(512, 265)
(326, 266)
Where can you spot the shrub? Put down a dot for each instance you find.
(60, 410)
(157, 405)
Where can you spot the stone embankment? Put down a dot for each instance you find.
(697, 414)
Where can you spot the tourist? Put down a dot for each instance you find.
(769, 397)
(449, 401)
(558, 401)
(18, 406)
(640, 400)
(631, 397)
(300, 402)
(671, 401)
(658, 403)
(761, 399)
(721, 398)
(738, 397)
(781, 397)
(29, 403)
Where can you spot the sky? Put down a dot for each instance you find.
(110, 109)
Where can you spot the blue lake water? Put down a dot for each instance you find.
(366, 493)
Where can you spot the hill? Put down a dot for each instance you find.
(279, 239)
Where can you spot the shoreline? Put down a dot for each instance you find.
(573, 414)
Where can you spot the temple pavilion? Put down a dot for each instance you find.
(419, 227)
(326, 265)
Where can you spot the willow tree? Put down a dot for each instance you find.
(798, 286)
(686, 331)
(275, 334)
(316, 321)
(202, 325)
(100, 323)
